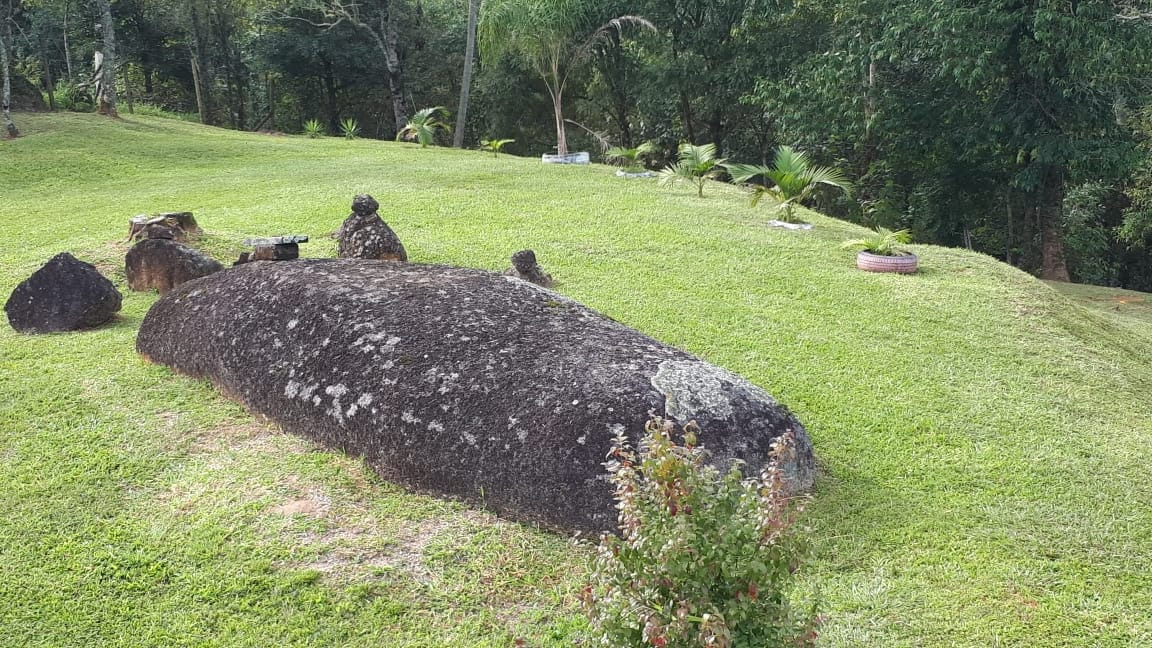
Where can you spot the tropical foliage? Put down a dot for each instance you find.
(314, 129)
(494, 146)
(424, 125)
(883, 242)
(630, 158)
(791, 180)
(978, 124)
(554, 37)
(349, 128)
(696, 165)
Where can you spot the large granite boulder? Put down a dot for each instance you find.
(66, 294)
(364, 235)
(164, 264)
(455, 381)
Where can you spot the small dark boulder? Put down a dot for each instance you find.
(364, 235)
(164, 264)
(455, 381)
(524, 266)
(66, 294)
(26, 96)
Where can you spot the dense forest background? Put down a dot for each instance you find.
(1019, 128)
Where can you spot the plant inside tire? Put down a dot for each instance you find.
(879, 252)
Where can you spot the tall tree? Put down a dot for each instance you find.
(380, 20)
(107, 85)
(553, 36)
(466, 80)
(6, 92)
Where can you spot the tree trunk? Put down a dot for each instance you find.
(686, 117)
(201, 67)
(561, 132)
(127, 76)
(107, 98)
(67, 50)
(49, 84)
(6, 93)
(200, 107)
(270, 87)
(330, 96)
(466, 82)
(390, 46)
(1053, 264)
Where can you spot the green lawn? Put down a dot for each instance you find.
(986, 442)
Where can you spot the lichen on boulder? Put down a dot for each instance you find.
(458, 382)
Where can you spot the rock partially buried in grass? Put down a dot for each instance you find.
(455, 381)
(524, 266)
(163, 264)
(66, 294)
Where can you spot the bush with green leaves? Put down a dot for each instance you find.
(67, 95)
(424, 124)
(883, 242)
(314, 129)
(630, 159)
(792, 179)
(349, 128)
(697, 164)
(702, 559)
(494, 146)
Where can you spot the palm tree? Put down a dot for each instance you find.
(423, 126)
(697, 165)
(629, 158)
(553, 36)
(793, 179)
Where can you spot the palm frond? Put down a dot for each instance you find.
(882, 242)
(743, 173)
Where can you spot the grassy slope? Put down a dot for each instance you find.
(985, 442)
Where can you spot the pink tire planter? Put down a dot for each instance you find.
(902, 264)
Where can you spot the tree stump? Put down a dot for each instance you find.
(183, 221)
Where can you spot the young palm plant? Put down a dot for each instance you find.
(697, 165)
(424, 124)
(630, 159)
(884, 242)
(793, 179)
(494, 146)
(349, 128)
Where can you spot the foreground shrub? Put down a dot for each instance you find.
(703, 559)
